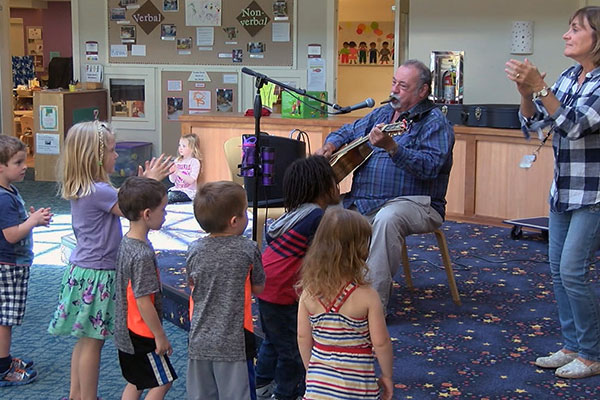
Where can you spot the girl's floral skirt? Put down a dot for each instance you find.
(86, 304)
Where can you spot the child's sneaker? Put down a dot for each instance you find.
(18, 363)
(265, 392)
(18, 376)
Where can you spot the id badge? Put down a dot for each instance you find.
(527, 161)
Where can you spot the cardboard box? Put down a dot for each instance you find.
(296, 106)
(92, 85)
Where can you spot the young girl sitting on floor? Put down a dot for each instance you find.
(185, 171)
(340, 317)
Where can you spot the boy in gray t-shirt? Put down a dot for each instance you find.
(139, 336)
(223, 269)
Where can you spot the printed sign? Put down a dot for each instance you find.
(253, 18)
(47, 143)
(148, 17)
(49, 118)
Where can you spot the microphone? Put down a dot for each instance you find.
(248, 71)
(369, 102)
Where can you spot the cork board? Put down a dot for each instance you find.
(202, 32)
(194, 92)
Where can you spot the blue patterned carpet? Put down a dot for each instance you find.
(482, 350)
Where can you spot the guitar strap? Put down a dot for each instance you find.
(418, 111)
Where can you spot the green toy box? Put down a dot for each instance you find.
(296, 106)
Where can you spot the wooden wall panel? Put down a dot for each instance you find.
(504, 189)
(456, 186)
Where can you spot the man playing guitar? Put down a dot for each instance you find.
(401, 187)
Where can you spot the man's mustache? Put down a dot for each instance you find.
(390, 99)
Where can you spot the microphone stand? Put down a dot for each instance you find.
(260, 81)
(256, 166)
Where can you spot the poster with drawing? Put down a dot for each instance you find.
(199, 100)
(366, 43)
(203, 12)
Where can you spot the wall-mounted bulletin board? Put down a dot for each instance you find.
(201, 32)
(194, 92)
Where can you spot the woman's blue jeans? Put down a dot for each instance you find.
(574, 238)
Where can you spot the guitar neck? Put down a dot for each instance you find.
(398, 127)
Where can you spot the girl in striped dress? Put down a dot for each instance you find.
(341, 325)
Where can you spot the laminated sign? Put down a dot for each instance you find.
(253, 18)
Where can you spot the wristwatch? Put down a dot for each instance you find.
(542, 93)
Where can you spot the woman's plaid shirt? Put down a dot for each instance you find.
(576, 139)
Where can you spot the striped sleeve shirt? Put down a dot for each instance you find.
(420, 167)
(576, 139)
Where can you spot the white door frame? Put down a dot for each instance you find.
(6, 97)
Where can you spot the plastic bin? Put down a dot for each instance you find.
(131, 155)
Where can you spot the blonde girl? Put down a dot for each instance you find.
(185, 171)
(86, 300)
(340, 317)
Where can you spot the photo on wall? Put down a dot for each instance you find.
(184, 45)
(174, 107)
(117, 14)
(280, 11)
(225, 100)
(128, 34)
(256, 47)
(170, 5)
(168, 31)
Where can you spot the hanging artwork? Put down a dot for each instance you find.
(199, 100)
(203, 12)
(366, 43)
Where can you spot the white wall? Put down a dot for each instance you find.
(482, 28)
(6, 104)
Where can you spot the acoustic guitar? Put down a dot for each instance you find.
(355, 153)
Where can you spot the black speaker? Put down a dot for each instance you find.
(285, 151)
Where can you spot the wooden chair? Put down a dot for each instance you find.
(26, 135)
(233, 154)
(443, 245)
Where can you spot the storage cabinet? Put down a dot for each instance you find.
(54, 113)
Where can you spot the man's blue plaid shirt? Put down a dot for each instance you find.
(576, 139)
(420, 167)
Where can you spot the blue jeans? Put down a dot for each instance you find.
(574, 238)
(279, 358)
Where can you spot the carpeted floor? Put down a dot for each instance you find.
(482, 350)
(52, 354)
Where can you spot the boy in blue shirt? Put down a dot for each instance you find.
(16, 255)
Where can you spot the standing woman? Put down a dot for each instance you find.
(571, 108)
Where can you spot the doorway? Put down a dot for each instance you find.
(371, 40)
(37, 34)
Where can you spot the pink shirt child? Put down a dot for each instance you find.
(190, 167)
